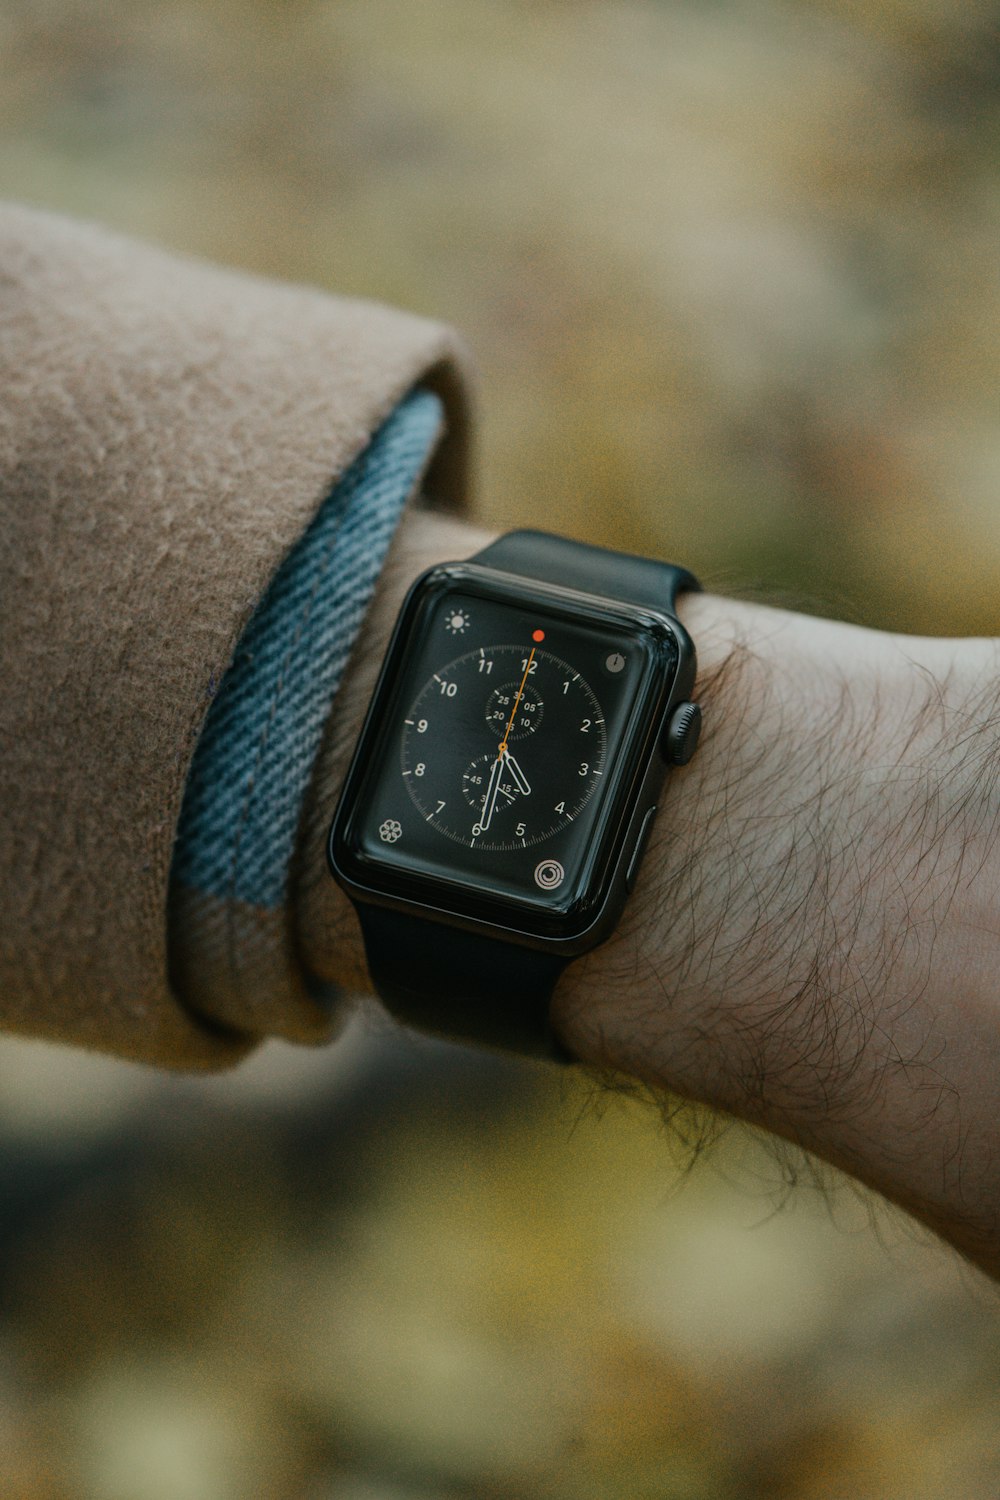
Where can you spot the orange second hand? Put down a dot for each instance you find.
(510, 721)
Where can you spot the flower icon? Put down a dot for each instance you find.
(456, 623)
(390, 831)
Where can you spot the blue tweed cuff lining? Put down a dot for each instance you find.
(251, 768)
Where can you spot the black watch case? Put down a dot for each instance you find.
(488, 669)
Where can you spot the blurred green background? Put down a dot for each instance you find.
(730, 274)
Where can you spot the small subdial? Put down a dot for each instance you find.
(529, 710)
(476, 782)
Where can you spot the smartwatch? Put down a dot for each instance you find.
(505, 781)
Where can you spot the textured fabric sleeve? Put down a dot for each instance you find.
(233, 955)
(168, 432)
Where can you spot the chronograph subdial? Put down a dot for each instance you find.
(527, 717)
(476, 782)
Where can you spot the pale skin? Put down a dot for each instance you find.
(814, 941)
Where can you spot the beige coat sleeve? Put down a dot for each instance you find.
(167, 431)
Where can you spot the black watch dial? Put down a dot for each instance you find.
(540, 746)
(502, 748)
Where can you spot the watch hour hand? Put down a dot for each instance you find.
(520, 780)
(489, 801)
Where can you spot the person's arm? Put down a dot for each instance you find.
(171, 434)
(814, 941)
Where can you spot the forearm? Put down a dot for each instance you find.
(811, 944)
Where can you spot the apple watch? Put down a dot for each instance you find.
(504, 784)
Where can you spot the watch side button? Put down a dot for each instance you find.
(681, 739)
(632, 873)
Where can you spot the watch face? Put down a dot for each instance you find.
(495, 769)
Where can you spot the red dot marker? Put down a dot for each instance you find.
(538, 635)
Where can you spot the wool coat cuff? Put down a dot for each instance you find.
(168, 431)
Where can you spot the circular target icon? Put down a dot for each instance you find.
(549, 874)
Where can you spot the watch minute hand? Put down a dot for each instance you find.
(489, 801)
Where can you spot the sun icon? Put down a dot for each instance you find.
(457, 623)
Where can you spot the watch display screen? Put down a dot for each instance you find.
(506, 732)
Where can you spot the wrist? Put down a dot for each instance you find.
(811, 944)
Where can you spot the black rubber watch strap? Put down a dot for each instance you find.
(461, 985)
(591, 570)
